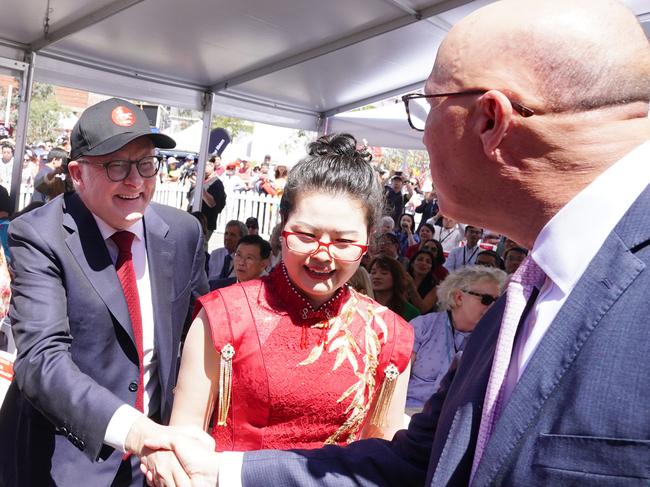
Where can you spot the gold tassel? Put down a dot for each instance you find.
(380, 412)
(225, 383)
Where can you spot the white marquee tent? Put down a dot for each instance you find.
(293, 63)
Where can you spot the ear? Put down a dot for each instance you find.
(457, 295)
(74, 169)
(493, 122)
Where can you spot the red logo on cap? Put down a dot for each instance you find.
(123, 117)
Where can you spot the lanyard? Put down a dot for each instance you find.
(471, 255)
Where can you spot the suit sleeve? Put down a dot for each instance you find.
(44, 370)
(199, 278)
(373, 462)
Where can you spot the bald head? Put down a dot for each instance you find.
(557, 55)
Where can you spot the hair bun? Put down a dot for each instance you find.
(340, 145)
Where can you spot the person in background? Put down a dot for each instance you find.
(513, 258)
(6, 212)
(435, 248)
(395, 199)
(421, 281)
(449, 234)
(213, 197)
(406, 235)
(425, 233)
(467, 254)
(280, 180)
(6, 164)
(489, 258)
(252, 258)
(389, 246)
(276, 246)
(252, 225)
(463, 298)
(386, 225)
(388, 279)
(50, 181)
(428, 208)
(221, 259)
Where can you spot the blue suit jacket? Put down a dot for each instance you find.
(77, 360)
(579, 415)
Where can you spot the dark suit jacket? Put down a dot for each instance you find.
(77, 362)
(579, 415)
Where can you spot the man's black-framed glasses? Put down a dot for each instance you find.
(417, 107)
(119, 170)
(486, 299)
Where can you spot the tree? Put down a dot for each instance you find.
(234, 126)
(45, 113)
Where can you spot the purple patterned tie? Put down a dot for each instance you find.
(520, 288)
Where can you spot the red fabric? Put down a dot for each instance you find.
(440, 272)
(275, 402)
(126, 275)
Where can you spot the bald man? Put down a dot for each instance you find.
(539, 111)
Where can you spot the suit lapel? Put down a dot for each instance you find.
(160, 261)
(89, 250)
(611, 272)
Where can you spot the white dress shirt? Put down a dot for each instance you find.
(591, 215)
(461, 256)
(122, 420)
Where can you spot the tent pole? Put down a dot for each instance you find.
(208, 100)
(27, 79)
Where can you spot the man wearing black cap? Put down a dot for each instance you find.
(104, 285)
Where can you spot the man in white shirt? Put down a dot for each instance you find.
(467, 254)
(104, 284)
(450, 234)
(538, 129)
(221, 261)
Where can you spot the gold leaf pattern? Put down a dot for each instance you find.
(340, 339)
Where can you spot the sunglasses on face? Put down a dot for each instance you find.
(486, 299)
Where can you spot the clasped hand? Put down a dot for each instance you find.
(173, 456)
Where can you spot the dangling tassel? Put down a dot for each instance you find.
(380, 412)
(225, 383)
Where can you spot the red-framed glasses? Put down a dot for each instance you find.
(306, 244)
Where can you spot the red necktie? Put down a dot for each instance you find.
(126, 275)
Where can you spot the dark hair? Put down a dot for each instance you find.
(492, 253)
(412, 221)
(57, 154)
(5, 201)
(335, 165)
(7, 144)
(281, 171)
(429, 226)
(398, 296)
(263, 245)
(390, 236)
(430, 280)
(515, 249)
(439, 258)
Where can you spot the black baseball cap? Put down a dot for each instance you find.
(108, 126)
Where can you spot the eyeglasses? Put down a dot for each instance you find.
(486, 299)
(119, 170)
(417, 113)
(306, 244)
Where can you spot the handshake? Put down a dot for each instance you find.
(171, 456)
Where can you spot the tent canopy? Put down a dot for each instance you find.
(291, 63)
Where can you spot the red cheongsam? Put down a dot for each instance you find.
(301, 377)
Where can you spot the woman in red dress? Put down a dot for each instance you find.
(299, 359)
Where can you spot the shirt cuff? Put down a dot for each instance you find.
(230, 465)
(119, 426)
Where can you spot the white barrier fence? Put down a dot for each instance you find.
(239, 206)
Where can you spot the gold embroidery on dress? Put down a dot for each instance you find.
(340, 339)
(225, 383)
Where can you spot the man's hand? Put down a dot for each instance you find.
(194, 449)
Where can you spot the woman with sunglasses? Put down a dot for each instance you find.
(299, 359)
(463, 298)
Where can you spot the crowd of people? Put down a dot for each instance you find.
(382, 336)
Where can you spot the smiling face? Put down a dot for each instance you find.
(425, 234)
(422, 264)
(122, 203)
(328, 218)
(381, 278)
